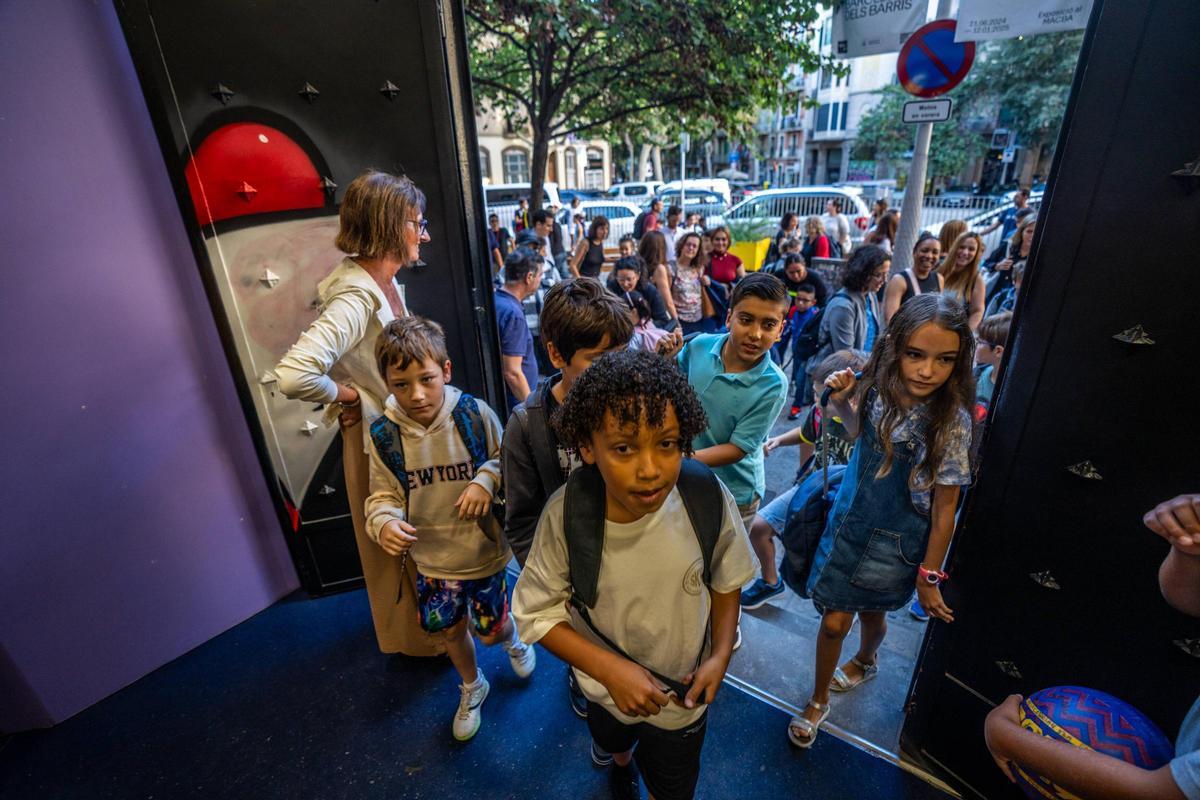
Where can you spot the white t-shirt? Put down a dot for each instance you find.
(651, 598)
(837, 227)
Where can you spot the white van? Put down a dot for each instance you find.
(764, 210)
(503, 199)
(719, 185)
(639, 192)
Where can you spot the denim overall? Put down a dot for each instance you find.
(875, 538)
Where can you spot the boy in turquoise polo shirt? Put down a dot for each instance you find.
(740, 387)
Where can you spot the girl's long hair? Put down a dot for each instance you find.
(882, 373)
(653, 249)
(962, 279)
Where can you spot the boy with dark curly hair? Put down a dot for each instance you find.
(640, 647)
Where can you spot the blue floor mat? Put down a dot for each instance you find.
(297, 702)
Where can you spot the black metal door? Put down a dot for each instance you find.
(1054, 574)
(322, 90)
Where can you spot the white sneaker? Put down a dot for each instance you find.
(522, 657)
(737, 641)
(467, 718)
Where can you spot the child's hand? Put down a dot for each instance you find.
(704, 682)
(473, 503)
(1000, 717)
(1178, 521)
(670, 345)
(770, 444)
(397, 537)
(842, 382)
(931, 600)
(634, 689)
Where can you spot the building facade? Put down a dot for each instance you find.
(506, 151)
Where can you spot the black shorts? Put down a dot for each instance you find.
(668, 760)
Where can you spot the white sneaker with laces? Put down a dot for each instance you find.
(467, 718)
(522, 657)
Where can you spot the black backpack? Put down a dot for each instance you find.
(806, 516)
(584, 505)
(835, 247)
(807, 339)
(639, 225)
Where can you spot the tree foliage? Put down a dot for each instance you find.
(570, 66)
(1027, 80)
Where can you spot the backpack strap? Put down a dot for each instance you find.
(705, 504)
(390, 446)
(469, 423)
(584, 503)
(542, 442)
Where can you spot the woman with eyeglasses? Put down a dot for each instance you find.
(382, 227)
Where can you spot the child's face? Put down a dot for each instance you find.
(419, 388)
(927, 360)
(988, 355)
(580, 360)
(627, 279)
(805, 301)
(640, 464)
(754, 325)
(626, 248)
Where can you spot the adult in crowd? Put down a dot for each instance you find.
(589, 253)
(674, 227)
(921, 278)
(692, 305)
(723, 266)
(1007, 220)
(521, 216)
(629, 275)
(381, 228)
(648, 220)
(522, 276)
(816, 243)
(789, 228)
(884, 235)
(1018, 250)
(852, 318)
(951, 230)
(837, 226)
(578, 233)
(878, 209)
(961, 278)
(560, 241)
(655, 256)
(499, 243)
(794, 273)
(543, 226)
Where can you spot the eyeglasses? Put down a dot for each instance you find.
(422, 225)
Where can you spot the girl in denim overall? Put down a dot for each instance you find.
(892, 519)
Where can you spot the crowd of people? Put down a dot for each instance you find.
(628, 480)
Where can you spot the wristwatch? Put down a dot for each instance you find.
(932, 577)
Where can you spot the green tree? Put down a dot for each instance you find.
(883, 134)
(570, 66)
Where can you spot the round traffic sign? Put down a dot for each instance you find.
(931, 62)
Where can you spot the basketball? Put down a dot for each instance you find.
(1092, 719)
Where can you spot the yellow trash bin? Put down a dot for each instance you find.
(752, 253)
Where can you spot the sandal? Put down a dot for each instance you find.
(843, 683)
(803, 732)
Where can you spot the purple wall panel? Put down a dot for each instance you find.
(136, 520)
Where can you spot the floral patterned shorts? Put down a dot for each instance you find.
(442, 603)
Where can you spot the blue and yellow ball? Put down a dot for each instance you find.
(1094, 720)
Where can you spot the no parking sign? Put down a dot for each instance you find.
(931, 62)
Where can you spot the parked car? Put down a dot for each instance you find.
(708, 203)
(762, 212)
(635, 192)
(620, 215)
(504, 198)
(566, 195)
(720, 186)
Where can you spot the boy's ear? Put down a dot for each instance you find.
(586, 455)
(554, 355)
(998, 350)
(446, 371)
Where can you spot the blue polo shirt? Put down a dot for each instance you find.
(741, 408)
(515, 340)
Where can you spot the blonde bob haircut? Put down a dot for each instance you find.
(373, 213)
(408, 339)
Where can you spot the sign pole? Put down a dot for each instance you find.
(684, 142)
(914, 189)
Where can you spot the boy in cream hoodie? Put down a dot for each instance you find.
(435, 468)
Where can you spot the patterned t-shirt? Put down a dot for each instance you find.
(840, 444)
(955, 469)
(685, 290)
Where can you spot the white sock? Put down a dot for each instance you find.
(478, 679)
(514, 640)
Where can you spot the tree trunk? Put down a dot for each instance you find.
(708, 148)
(537, 169)
(658, 173)
(629, 173)
(643, 161)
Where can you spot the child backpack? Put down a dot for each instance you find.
(806, 516)
(584, 504)
(807, 339)
(469, 423)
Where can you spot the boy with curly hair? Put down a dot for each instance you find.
(632, 418)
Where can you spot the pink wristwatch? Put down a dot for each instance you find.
(931, 576)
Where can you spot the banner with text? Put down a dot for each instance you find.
(980, 20)
(871, 27)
